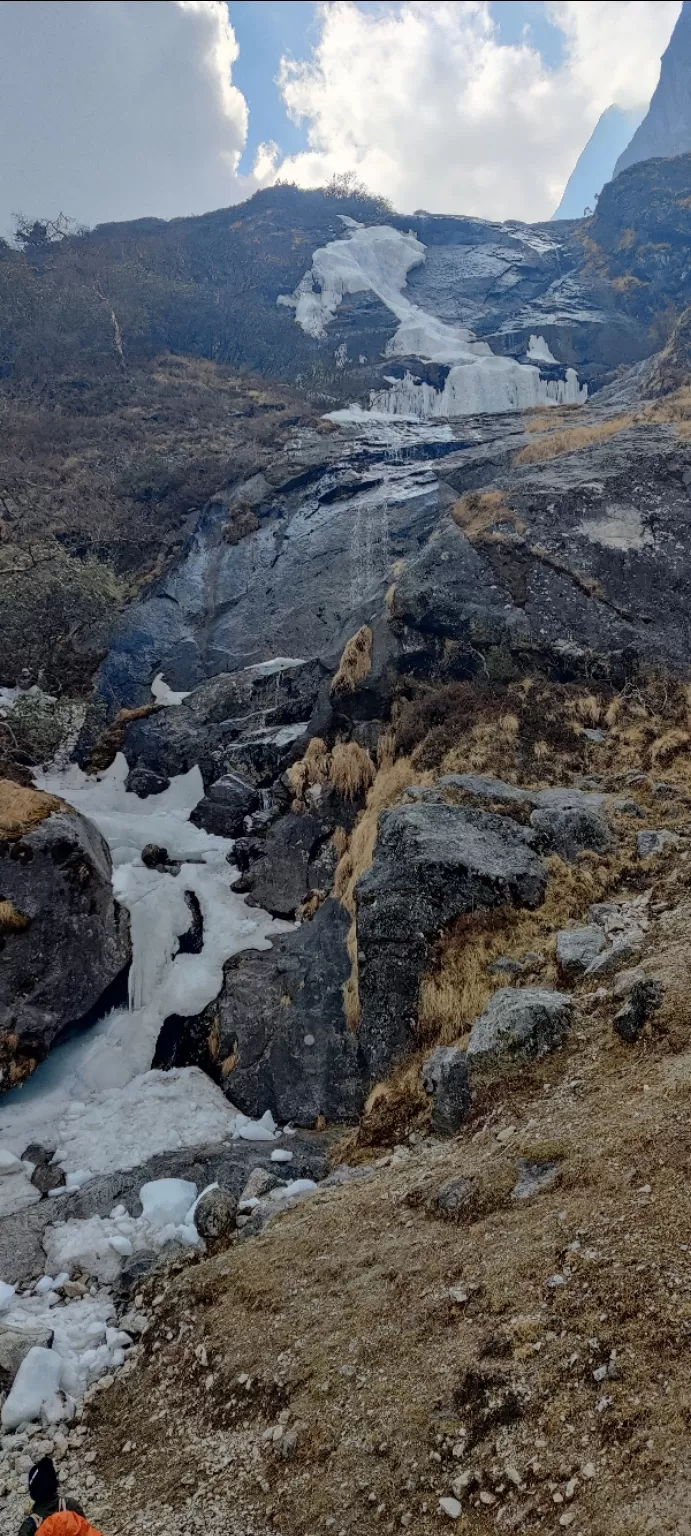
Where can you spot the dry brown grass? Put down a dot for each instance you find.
(312, 768)
(352, 770)
(355, 664)
(11, 919)
(559, 437)
(21, 809)
(572, 439)
(477, 513)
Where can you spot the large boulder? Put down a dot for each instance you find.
(571, 820)
(298, 857)
(225, 805)
(432, 863)
(278, 1028)
(518, 1025)
(445, 1078)
(63, 939)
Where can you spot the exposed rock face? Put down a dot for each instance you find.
(223, 810)
(279, 1030)
(64, 938)
(666, 128)
(518, 1025)
(295, 861)
(431, 864)
(445, 1077)
(577, 948)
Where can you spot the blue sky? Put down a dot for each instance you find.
(267, 29)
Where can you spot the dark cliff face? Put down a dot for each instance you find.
(666, 129)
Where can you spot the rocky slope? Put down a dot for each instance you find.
(391, 758)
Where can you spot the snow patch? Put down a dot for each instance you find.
(539, 351)
(162, 694)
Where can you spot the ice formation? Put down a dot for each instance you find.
(76, 1096)
(378, 260)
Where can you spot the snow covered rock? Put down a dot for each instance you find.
(35, 1388)
(67, 940)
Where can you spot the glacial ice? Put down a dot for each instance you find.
(378, 260)
(35, 1385)
(163, 694)
(82, 1081)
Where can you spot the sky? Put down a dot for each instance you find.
(119, 109)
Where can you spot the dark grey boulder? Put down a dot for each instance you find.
(645, 999)
(225, 805)
(455, 1198)
(481, 786)
(279, 1021)
(282, 877)
(71, 939)
(143, 782)
(432, 863)
(518, 1025)
(570, 826)
(445, 1078)
(577, 948)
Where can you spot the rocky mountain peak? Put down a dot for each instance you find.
(666, 130)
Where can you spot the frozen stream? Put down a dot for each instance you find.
(95, 1095)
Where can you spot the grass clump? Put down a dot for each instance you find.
(11, 919)
(479, 513)
(355, 664)
(571, 439)
(352, 770)
(21, 809)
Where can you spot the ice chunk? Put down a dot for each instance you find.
(7, 1293)
(539, 352)
(167, 1202)
(122, 1245)
(281, 1155)
(36, 1384)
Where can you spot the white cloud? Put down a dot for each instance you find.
(428, 107)
(114, 109)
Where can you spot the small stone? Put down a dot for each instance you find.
(505, 966)
(577, 948)
(260, 1181)
(651, 843)
(153, 855)
(214, 1217)
(450, 1507)
(505, 1136)
(646, 998)
(568, 1517)
(487, 1498)
(626, 981)
(588, 1471)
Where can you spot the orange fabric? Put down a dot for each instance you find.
(67, 1523)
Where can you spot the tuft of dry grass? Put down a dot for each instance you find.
(355, 664)
(21, 809)
(312, 768)
(478, 513)
(11, 919)
(352, 770)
